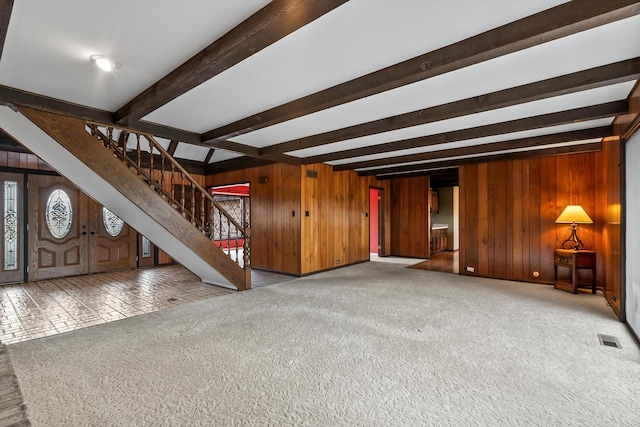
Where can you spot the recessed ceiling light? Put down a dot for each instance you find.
(103, 62)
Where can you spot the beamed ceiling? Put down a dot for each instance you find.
(387, 88)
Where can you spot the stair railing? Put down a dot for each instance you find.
(175, 185)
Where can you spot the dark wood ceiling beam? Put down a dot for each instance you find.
(473, 150)
(551, 24)
(593, 112)
(570, 83)
(556, 151)
(6, 6)
(209, 155)
(255, 152)
(173, 145)
(19, 98)
(235, 164)
(273, 22)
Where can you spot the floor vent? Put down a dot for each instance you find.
(609, 341)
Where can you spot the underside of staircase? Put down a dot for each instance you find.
(66, 145)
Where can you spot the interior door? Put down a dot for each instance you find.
(58, 228)
(112, 243)
(11, 228)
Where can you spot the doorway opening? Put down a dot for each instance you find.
(376, 222)
(236, 200)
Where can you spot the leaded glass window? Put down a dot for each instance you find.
(112, 223)
(146, 247)
(59, 214)
(10, 225)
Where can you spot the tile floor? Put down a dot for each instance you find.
(49, 307)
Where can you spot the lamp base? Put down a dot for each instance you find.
(573, 242)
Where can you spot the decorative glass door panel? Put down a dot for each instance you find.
(71, 234)
(58, 228)
(11, 228)
(146, 252)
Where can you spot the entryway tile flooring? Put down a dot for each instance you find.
(49, 307)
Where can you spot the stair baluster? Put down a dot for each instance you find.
(236, 234)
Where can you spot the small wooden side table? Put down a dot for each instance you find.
(574, 260)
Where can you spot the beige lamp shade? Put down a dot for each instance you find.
(574, 214)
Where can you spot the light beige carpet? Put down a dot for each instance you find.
(374, 344)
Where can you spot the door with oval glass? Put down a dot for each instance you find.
(71, 234)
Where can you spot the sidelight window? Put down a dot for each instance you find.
(112, 223)
(10, 225)
(146, 247)
(59, 214)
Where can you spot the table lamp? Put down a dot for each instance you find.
(574, 215)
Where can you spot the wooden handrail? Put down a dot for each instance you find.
(165, 154)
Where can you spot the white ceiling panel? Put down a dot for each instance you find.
(191, 152)
(49, 43)
(221, 155)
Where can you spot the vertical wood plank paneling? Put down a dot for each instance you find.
(13, 160)
(534, 216)
(275, 231)
(527, 271)
(509, 210)
(336, 232)
(483, 219)
(548, 215)
(610, 249)
(501, 228)
(516, 212)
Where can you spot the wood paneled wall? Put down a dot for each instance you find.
(508, 211)
(336, 232)
(275, 214)
(608, 233)
(12, 159)
(410, 217)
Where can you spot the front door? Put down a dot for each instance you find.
(58, 228)
(112, 243)
(71, 234)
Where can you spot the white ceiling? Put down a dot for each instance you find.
(49, 42)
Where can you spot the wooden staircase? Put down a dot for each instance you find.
(138, 180)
